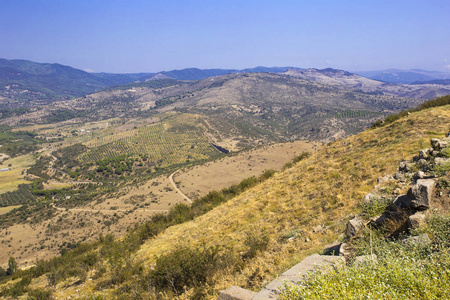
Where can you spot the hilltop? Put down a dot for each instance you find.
(247, 239)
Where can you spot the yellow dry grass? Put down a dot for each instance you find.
(7, 209)
(10, 180)
(324, 189)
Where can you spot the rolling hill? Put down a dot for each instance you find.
(24, 82)
(404, 76)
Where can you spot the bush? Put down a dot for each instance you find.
(375, 207)
(255, 242)
(187, 267)
(40, 294)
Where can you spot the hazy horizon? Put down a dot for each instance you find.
(148, 36)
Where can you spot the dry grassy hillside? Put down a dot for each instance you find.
(322, 190)
(258, 234)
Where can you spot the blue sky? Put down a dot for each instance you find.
(150, 36)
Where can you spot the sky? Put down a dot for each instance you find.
(130, 36)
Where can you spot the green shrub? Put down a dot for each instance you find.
(255, 242)
(40, 294)
(402, 271)
(187, 267)
(375, 207)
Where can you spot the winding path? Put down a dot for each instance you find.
(106, 211)
(176, 188)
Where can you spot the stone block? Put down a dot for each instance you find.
(420, 194)
(236, 293)
(353, 227)
(416, 220)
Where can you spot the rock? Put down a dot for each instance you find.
(438, 144)
(344, 250)
(421, 240)
(354, 226)
(317, 228)
(419, 175)
(420, 194)
(435, 153)
(236, 293)
(332, 249)
(371, 197)
(440, 161)
(424, 153)
(365, 259)
(434, 142)
(405, 166)
(296, 274)
(402, 201)
(416, 220)
(400, 177)
(422, 162)
(379, 220)
(384, 179)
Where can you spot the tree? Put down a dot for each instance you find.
(12, 266)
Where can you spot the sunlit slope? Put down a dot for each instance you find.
(321, 190)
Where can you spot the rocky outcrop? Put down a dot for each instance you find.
(419, 198)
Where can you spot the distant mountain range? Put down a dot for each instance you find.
(404, 76)
(26, 82)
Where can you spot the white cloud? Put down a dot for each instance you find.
(89, 70)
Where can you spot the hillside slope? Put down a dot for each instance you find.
(268, 228)
(321, 190)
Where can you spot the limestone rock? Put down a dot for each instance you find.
(419, 175)
(402, 201)
(371, 197)
(440, 161)
(424, 153)
(422, 240)
(416, 220)
(365, 259)
(344, 250)
(422, 162)
(400, 177)
(318, 228)
(405, 166)
(420, 194)
(354, 226)
(384, 179)
(435, 153)
(236, 293)
(438, 144)
(379, 220)
(332, 249)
